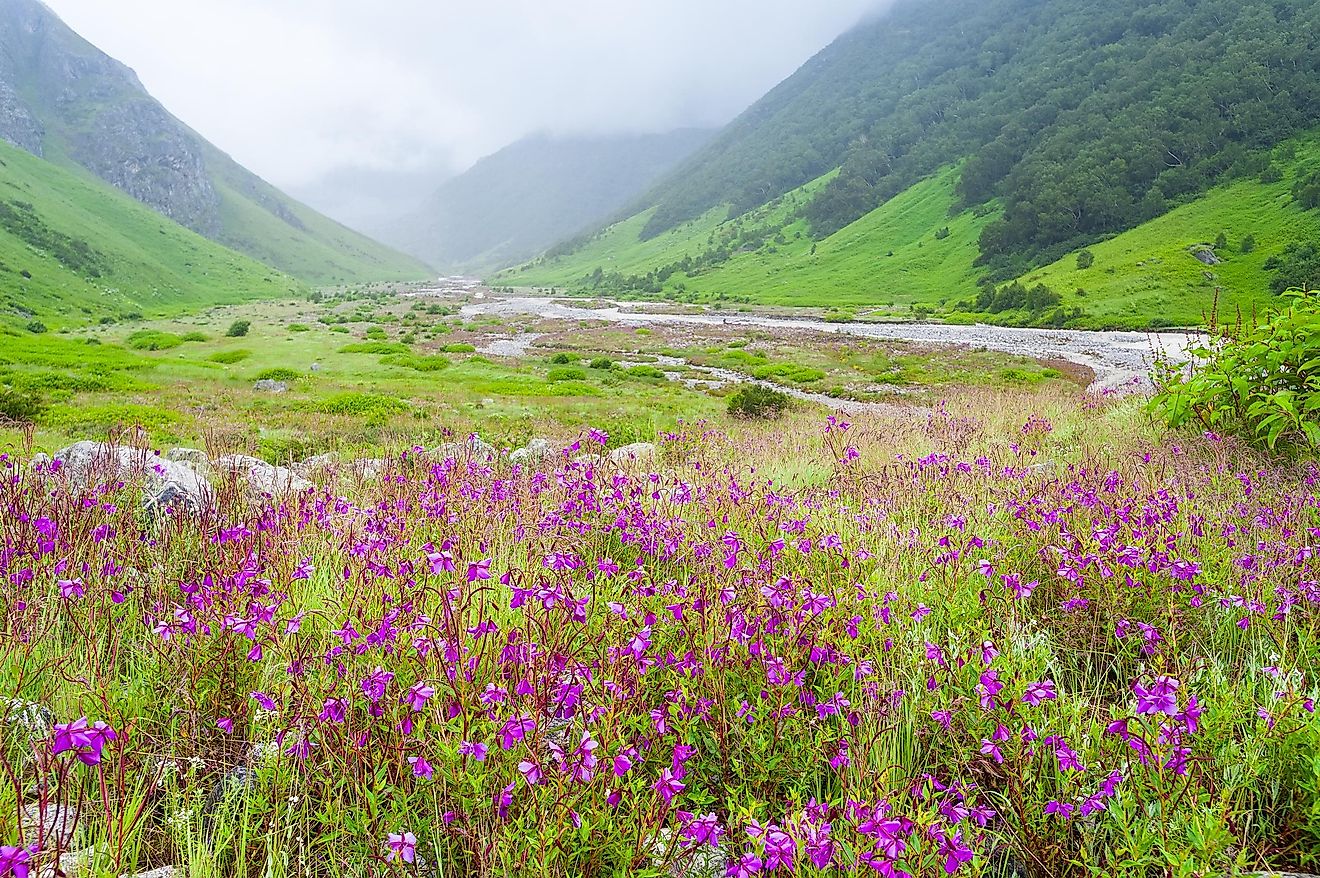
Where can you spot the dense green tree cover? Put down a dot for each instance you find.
(1081, 118)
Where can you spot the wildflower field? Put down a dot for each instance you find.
(1028, 634)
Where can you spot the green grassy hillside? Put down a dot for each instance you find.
(919, 249)
(74, 250)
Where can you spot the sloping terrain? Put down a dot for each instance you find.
(66, 101)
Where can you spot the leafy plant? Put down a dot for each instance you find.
(1085, 260)
(755, 401)
(1259, 382)
(20, 406)
(238, 329)
(228, 358)
(279, 373)
(153, 340)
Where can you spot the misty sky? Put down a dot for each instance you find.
(296, 88)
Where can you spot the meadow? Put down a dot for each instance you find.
(1027, 633)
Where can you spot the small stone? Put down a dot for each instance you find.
(267, 385)
(263, 478)
(315, 367)
(318, 466)
(639, 452)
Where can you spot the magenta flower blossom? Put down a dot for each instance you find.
(477, 751)
(266, 702)
(374, 686)
(1160, 697)
(418, 695)
(15, 861)
(1039, 692)
(85, 740)
(225, 724)
(479, 570)
(530, 771)
(420, 767)
(402, 846)
(668, 786)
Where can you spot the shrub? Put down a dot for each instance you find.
(1248, 244)
(647, 372)
(25, 408)
(194, 336)
(1296, 268)
(228, 358)
(433, 363)
(375, 347)
(279, 373)
(153, 340)
(36, 327)
(238, 329)
(564, 358)
(602, 363)
(1085, 260)
(377, 332)
(459, 348)
(299, 327)
(1261, 382)
(757, 401)
(568, 374)
(361, 404)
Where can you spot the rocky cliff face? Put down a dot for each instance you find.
(54, 84)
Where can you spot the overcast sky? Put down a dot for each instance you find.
(296, 88)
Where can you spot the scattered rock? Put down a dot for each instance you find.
(263, 478)
(639, 452)
(702, 861)
(53, 825)
(267, 385)
(1049, 469)
(535, 452)
(222, 796)
(162, 872)
(369, 469)
(1205, 254)
(168, 484)
(193, 458)
(315, 367)
(472, 448)
(318, 466)
(34, 719)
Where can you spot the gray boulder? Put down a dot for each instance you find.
(166, 483)
(267, 385)
(538, 451)
(638, 452)
(1205, 254)
(263, 479)
(318, 466)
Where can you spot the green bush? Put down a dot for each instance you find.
(194, 336)
(1248, 244)
(1085, 260)
(569, 374)
(1261, 383)
(377, 332)
(299, 327)
(602, 363)
(36, 327)
(564, 359)
(279, 373)
(153, 340)
(754, 401)
(459, 348)
(228, 358)
(238, 329)
(361, 404)
(25, 408)
(787, 372)
(375, 347)
(433, 363)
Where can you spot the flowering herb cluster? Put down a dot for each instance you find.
(952, 664)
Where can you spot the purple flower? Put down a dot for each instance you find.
(420, 767)
(668, 786)
(15, 861)
(418, 695)
(1039, 692)
(83, 739)
(476, 751)
(402, 846)
(479, 570)
(374, 686)
(1160, 697)
(530, 771)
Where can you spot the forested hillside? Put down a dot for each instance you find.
(1067, 122)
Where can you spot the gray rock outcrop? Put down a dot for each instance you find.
(263, 479)
(166, 483)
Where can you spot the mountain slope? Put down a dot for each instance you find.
(74, 249)
(919, 250)
(66, 101)
(514, 204)
(1047, 126)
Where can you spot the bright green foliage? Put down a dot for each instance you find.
(73, 249)
(1296, 268)
(279, 373)
(19, 406)
(566, 374)
(238, 329)
(228, 358)
(1261, 382)
(757, 401)
(153, 340)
